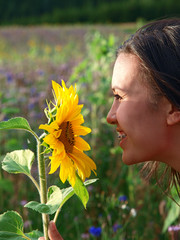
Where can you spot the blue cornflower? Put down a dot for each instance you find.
(9, 77)
(123, 198)
(95, 231)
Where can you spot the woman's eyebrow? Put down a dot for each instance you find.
(117, 88)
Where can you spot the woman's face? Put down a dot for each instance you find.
(142, 127)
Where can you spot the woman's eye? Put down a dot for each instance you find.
(117, 97)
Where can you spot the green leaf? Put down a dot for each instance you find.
(173, 214)
(69, 192)
(81, 191)
(90, 181)
(15, 123)
(57, 198)
(11, 226)
(53, 203)
(18, 161)
(34, 235)
(39, 207)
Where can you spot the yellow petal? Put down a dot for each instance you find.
(59, 146)
(83, 171)
(78, 121)
(63, 85)
(54, 143)
(55, 88)
(46, 127)
(62, 113)
(81, 130)
(54, 125)
(72, 178)
(66, 169)
(81, 144)
(84, 158)
(76, 111)
(57, 133)
(83, 163)
(50, 139)
(55, 163)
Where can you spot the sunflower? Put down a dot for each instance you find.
(64, 131)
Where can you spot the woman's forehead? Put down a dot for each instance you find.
(126, 71)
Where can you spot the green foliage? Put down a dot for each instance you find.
(15, 123)
(19, 161)
(81, 191)
(12, 222)
(11, 227)
(34, 235)
(173, 214)
(104, 11)
(57, 197)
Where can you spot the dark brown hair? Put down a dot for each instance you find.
(157, 45)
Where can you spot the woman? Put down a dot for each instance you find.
(146, 106)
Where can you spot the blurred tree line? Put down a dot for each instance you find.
(84, 11)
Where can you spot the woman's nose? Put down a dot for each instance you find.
(111, 117)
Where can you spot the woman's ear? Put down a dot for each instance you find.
(173, 116)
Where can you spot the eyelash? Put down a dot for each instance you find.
(117, 97)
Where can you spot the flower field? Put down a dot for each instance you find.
(122, 205)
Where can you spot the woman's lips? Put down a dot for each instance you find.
(121, 136)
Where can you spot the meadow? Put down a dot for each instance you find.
(122, 205)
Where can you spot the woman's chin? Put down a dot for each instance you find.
(130, 160)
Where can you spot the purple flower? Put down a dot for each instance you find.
(31, 106)
(40, 72)
(27, 224)
(174, 228)
(123, 198)
(85, 235)
(90, 188)
(23, 202)
(95, 231)
(33, 90)
(116, 226)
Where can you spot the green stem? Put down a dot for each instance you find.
(94, 126)
(35, 183)
(56, 215)
(25, 237)
(43, 185)
(34, 134)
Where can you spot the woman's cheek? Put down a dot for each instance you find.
(125, 114)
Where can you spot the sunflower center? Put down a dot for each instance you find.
(67, 136)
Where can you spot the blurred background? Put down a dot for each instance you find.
(84, 11)
(76, 40)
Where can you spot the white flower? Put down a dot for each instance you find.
(133, 212)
